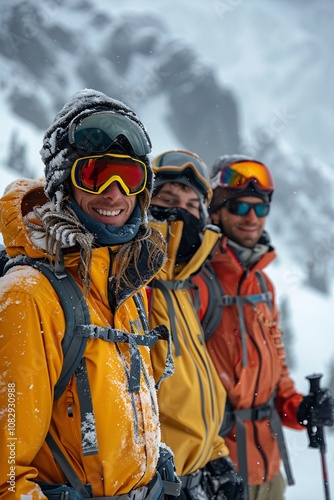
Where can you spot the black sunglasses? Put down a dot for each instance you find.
(236, 207)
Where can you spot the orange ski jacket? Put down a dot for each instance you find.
(252, 385)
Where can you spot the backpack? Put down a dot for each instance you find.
(77, 331)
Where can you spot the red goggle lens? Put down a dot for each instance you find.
(95, 173)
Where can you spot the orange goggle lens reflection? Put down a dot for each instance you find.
(238, 175)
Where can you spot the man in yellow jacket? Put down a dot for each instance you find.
(192, 401)
(88, 218)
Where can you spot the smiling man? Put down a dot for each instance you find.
(88, 222)
(104, 187)
(247, 347)
(241, 221)
(241, 212)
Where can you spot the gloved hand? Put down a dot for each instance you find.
(317, 409)
(224, 482)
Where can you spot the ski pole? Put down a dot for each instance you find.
(317, 436)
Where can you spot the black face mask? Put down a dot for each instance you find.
(190, 240)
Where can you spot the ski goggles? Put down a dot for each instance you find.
(238, 175)
(94, 174)
(97, 132)
(237, 207)
(174, 164)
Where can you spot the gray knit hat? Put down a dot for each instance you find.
(222, 194)
(58, 154)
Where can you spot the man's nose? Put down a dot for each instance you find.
(251, 215)
(113, 190)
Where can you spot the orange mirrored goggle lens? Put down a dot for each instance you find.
(238, 175)
(94, 174)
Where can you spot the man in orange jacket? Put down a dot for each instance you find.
(247, 347)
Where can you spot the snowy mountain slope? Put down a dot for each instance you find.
(274, 55)
(313, 326)
(307, 468)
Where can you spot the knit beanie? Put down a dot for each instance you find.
(222, 194)
(59, 158)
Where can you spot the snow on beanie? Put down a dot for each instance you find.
(58, 160)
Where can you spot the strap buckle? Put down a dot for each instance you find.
(261, 412)
(191, 480)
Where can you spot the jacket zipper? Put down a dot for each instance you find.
(255, 430)
(199, 378)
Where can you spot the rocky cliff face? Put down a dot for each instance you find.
(131, 57)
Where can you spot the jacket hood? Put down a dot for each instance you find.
(172, 232)
(16, 205)
(17, 202)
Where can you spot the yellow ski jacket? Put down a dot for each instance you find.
(32, 328)
(191, 401)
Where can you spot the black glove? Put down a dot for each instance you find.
(317, 409)
(223, 480)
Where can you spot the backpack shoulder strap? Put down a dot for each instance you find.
(217, 301)
(264, 288)
(76, 314)
(166, 287)
(214, 312)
